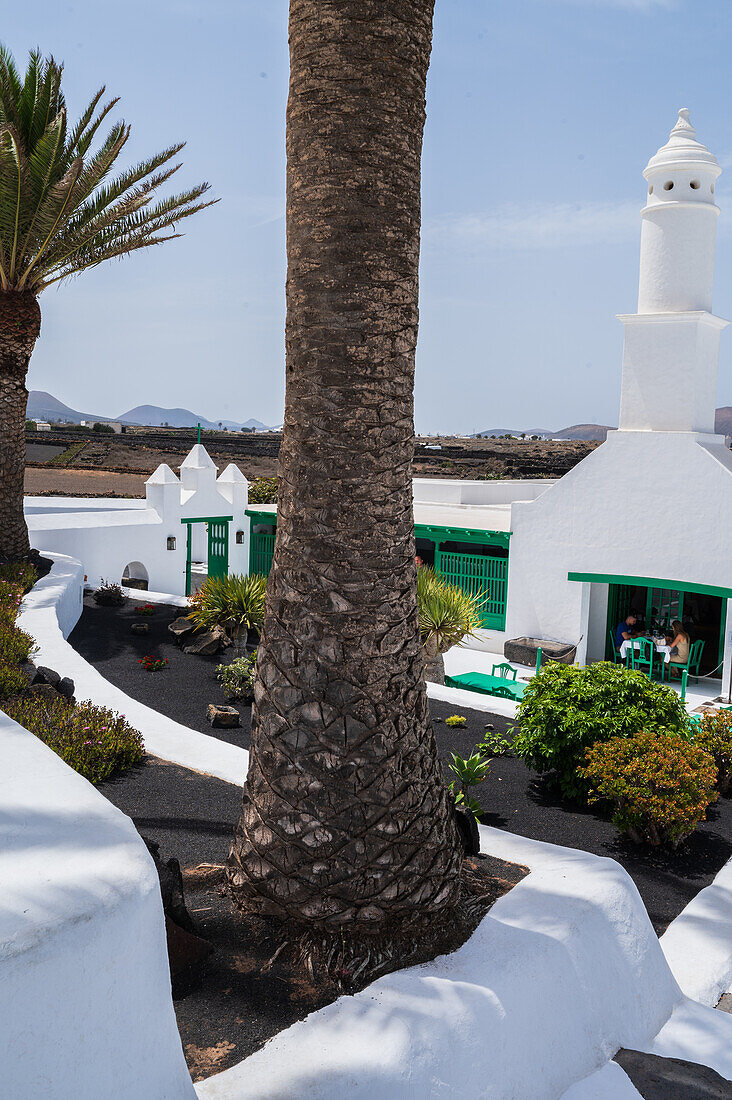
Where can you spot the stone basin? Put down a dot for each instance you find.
(523, 651)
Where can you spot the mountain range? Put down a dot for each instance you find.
(722, 426)
(44, 406)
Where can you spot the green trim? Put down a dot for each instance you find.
(652, 582)
(461, 534)
(261, 517)
(209, 519)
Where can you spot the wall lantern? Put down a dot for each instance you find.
(240, 537)
(171, 542)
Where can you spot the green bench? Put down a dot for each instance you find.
(499, 686)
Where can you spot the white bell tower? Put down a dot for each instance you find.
(671, 349)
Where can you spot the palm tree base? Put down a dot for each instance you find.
(334, 961)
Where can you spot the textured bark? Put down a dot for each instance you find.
(20, 324)
(346, 819)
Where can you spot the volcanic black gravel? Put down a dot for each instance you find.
(512, 797)
(182, 691)
(228, 1010)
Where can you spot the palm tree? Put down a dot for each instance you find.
(346, 823)
(60, 213)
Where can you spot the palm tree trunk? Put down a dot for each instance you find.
(346, 820)
(20, 324)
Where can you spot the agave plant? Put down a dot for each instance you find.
(447, 616)
(61, 213)
(235, 603)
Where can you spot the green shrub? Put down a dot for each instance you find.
(566, 709)
(93, 740)
(237, 678)
(263, 490)
(659, 784)
(456, 720)
(235, 603)
(10, 597)
(15, 645)
(494, 744)
(12, 680)
(713, 733)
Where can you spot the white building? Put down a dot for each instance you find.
(645, 521)
(185, 529)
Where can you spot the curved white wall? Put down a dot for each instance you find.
(85, 1004)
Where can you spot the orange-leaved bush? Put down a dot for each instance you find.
(713, 733)
(659, 784)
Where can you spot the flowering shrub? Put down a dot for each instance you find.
(92, 740)
(659, 784)
(456, 720)
(566, 709)
(145, 609)
(237, 678)
(714, 734)
(10, 597)
(21, 574)
(15, 645)
(153, 664)
(12, 681)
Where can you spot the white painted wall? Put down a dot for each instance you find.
(107, 536)
(85, 1004)
(620, 511)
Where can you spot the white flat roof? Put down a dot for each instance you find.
(476, 517)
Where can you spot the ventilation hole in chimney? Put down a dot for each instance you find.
(712, 188)
(650, 189)
(695, 185)
(668, 185)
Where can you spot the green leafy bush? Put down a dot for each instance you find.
(713, 733)
(12, 680)
(93, 740)
(263, 490)
(235, 603)
(237, 678)
(566, 709)
(659, 784)
(10, 597)
(494, 744)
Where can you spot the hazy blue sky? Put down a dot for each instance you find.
(541, 117)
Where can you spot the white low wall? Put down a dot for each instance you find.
(564, 970)
(698, 943)
(85, 1004)
(50, 612)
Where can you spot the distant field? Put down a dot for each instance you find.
(82, 483)
(41, 452)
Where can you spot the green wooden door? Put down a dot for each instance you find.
(218, 548)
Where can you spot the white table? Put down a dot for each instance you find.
(662, 649)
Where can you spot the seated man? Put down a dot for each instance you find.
(626, 629)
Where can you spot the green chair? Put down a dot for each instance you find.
(643, 656)
(692, 664)
(504, 670)
(617, 659)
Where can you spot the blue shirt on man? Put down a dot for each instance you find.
(623, 628)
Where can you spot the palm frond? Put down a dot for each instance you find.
(59, 211)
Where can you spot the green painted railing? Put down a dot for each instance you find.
(261, 551)
(481, 575)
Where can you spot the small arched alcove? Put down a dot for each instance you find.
(135, 575)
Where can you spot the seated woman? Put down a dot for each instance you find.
(680, 643)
